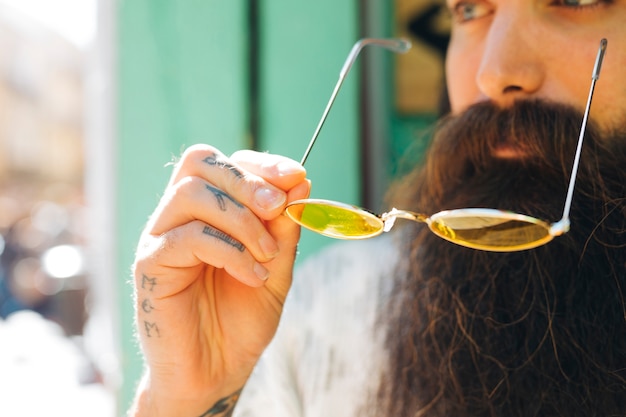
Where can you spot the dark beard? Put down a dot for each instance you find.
(540, 332)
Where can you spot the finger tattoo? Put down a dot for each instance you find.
(213, 160)
(221, 198)
(213, 232)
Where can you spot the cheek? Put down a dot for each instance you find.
(461, 72)
(609, 101)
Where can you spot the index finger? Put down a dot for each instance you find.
(261, 183)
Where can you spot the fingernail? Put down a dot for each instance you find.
(268, 246)
(269, 199)
(289, 168)
(261, 272)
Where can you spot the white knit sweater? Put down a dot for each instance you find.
(326, 358)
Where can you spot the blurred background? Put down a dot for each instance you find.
(45, 363)
(98, 96)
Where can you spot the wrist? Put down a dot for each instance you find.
(153, 402)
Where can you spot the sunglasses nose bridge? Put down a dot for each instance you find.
(389, 218)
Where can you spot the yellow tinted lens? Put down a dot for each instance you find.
(335, 220)
(498, 232)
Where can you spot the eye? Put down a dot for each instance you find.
(578, 3)
(465, 11)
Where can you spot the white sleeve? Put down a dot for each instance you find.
(272, 388)
(325, 357)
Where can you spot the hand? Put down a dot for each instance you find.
(212, 271)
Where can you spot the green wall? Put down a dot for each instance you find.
(303, 46)
(184, 72)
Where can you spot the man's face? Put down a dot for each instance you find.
(529, 333)
(503, 50)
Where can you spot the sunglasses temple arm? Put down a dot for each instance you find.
(322, 120)
(563, 225)
(396, 45)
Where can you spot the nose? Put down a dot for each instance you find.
(511, 66)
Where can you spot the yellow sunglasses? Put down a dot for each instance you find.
(478, 228)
